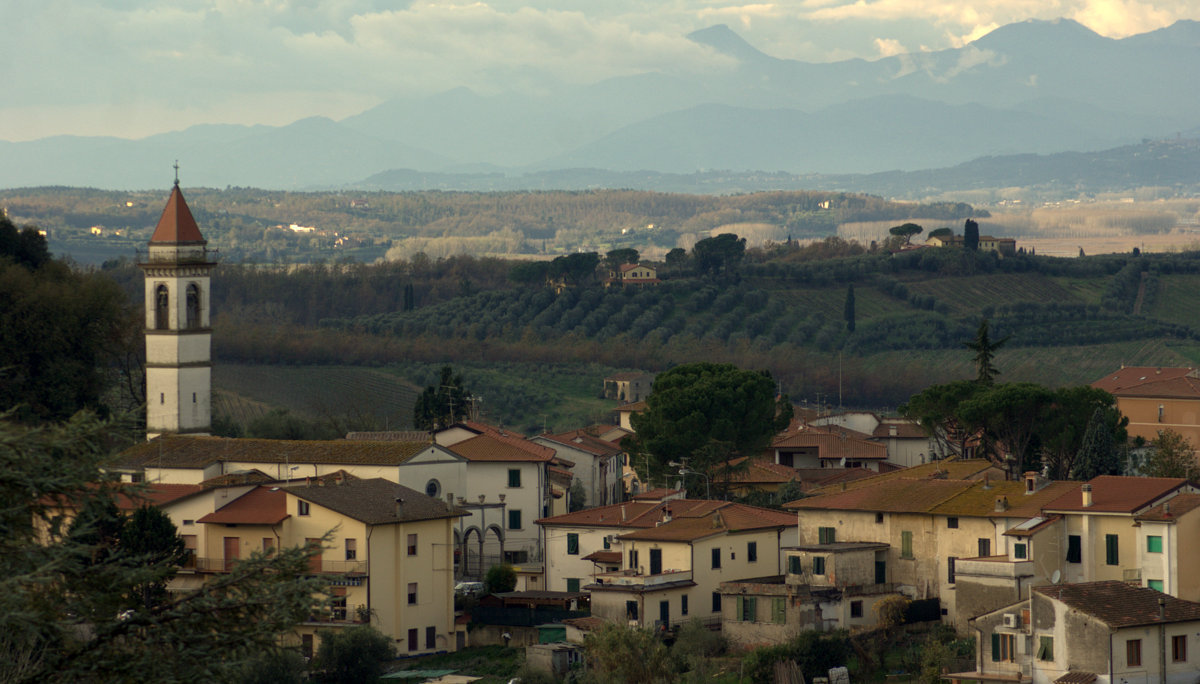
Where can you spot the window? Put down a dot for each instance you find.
(716, 558)
(338, 607)
(514, 477)
(412, 544)
(573, 584)
(1003, 647)
(1156, 585)
(192, 299)
(631, 611)
(747, 608)
(794, 565)
(306, 645)
(1020, 551)
(683, 605)
(301, 508)
(433, 489)
(1045, 648)
(950, 562)
(268, 544)
(856, 609)
(412, 593)
(878, 518)
(826, 535)
(906, 544)
(1179, 648)
(716, 602)
(752, 552)
(1074, 549)
(514, 519)
(1153, 544)
(1133, 653)
(412, 639)
(1112, 555)
(162, 308)
(572, 544)
(189, 548)
(431, 637)
(818, 565)
(633, 559)
(983, 547)
(607, 542)
(952, 523)
(778, 610)
(516, 557)
(351, 549)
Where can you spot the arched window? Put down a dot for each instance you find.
(433, 488)
(193, 306)
(162, 308)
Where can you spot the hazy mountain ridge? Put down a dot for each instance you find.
(1035, 87)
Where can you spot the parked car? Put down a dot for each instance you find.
(469, 589)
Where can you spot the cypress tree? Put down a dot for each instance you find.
(849, 312)
(971, 235)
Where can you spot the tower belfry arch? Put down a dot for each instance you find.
(178, 268)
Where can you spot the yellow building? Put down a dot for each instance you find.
(387, 552)
(672, 572)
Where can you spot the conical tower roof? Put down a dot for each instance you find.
(176, 224)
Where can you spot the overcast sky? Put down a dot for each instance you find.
(133, 68)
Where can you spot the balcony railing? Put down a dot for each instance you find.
(631, 579)
(323, 567)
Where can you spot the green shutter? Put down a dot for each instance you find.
(1019, 551)
(752, 609)
(906, 544)
(514, 477)
(741, 608)
(572, 544)
(573, 584)
(794, 565)
(995, 647)
(778, 610)
(819, 565)
(1154, 544)
(1112, 555)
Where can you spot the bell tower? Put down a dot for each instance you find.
(178, 332)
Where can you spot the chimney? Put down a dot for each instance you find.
(399, 507)
(340, 477)
(891, 431)
(666, 514)
(1167, 509)
(987, 481)
(1031, 481)
(1001, 504)
(622, 512)
(1087, 495)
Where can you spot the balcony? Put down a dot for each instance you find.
(634, 580)
(993, 566)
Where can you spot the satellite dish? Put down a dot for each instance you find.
(1056, 577)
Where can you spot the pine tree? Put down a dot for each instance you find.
(1098, 453)
(985, 353)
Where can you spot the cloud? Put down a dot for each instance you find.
(889, 47)
(1121, 18)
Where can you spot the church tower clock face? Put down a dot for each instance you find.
(178, 268)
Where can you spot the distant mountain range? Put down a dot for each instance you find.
(1033, 88)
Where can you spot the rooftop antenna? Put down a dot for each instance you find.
(176, 173)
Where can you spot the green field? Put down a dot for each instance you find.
(831, 302)
(1176, 299)
(969, 295)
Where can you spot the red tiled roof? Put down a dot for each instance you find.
(586, 624)
(1118, 494)
(632, 514)
(198, 451)
(632, 407)
(904, 430)
(132, 498)
(604, 557)
(582, 440)
(948, 469)
(494, 446)
(898, 495)
(832, 442)
(1076, 677)
(1178, 505)
(1119, 604)
(655, 494)
(176, 224)
(259, 506)
(723, 517)
(1144, 381)
(762, 471)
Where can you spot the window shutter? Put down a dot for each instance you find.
(995, 647)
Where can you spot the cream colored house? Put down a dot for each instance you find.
(597, 463)
(1167, 552)
(1157, 399)
(672, 572)
(387, 551)
(1106, 632)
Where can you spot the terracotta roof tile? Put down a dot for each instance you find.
(1076, 677)
(176, 224)
(259, 506)
(241, 477)
(980, 502)
(656, 494)
(373, 501)
(192, 451)
(1178, 505)
(897, 495)
(633, 514)
(1119, 604)
(633, 407)
(491, 446)
(1118, 494)
(948, 469)
(905, 429)
(604, 557)
(832, 442)
(582, 440)
(724, 517)
(762, 471)
(1146, 381)
(392, 436)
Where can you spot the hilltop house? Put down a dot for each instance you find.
(987, 243)
(629, 387)
(829, 446)
(635, 275)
